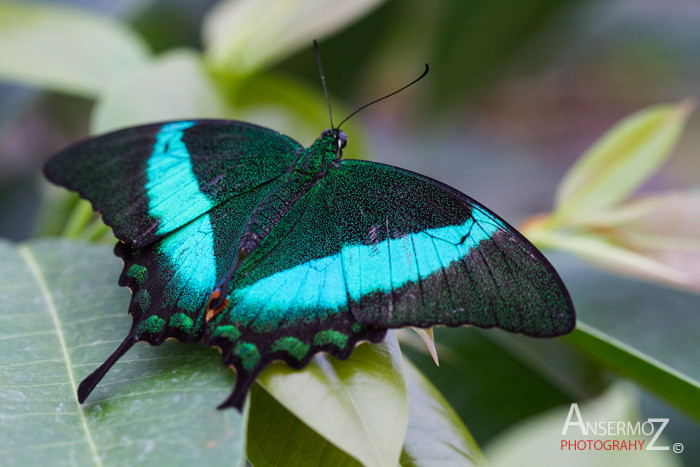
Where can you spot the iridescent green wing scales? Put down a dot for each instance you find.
(288, 301)
(172, 278)
(147, 181)
(369, 247)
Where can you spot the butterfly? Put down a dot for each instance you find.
(236, 236)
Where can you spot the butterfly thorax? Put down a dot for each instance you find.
(311, 167)
(326, 150)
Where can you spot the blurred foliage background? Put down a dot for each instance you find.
(516, 93)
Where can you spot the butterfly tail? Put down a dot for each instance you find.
(88, 384)
(244, 380)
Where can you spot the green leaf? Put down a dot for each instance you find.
(670, 383)
(488, 386)
(667, 221)
(243, 36)
(620, 161)
(360, 405)
(61, 315)
(65, 50)
(277, 437)
(605, 252)
(435, 433)
(538, 441)
(173, 86)
(642, 331)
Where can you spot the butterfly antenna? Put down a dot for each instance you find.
(323, 80)
(387, 96)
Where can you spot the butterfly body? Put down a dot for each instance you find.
(236, 236)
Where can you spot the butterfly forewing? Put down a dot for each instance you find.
(418, 252)
(150, 180)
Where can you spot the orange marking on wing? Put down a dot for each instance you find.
(211, 312)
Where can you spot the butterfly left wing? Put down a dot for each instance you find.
(375, 247)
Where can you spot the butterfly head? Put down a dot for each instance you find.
(337, 139)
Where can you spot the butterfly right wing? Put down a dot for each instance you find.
(148, 181)
(417, 252)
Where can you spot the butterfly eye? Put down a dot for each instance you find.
(342, 139)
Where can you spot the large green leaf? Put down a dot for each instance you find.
(65, 50)
(61, 315)
(489, 388)
(435, 434)
(360, 406)
(277, 437)
(643, 331)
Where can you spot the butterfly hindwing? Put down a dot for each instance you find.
(289, 300)
(150, 180)
(172, 278)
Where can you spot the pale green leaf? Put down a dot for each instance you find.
(65, 50)
(538, 441)
(243, 36)
(436, 435)
(359, 405)
(670, 221)
(620, 161)
(173, 86)
(61, 315)
(603, 252)
(628, 360)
